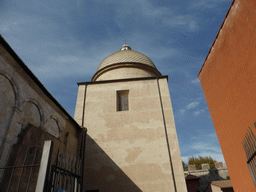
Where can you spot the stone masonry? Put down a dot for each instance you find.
(208, 175)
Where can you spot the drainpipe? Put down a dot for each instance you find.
(166, 135)
(84, 105)
(83, 140)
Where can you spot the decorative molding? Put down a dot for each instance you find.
(145, 67)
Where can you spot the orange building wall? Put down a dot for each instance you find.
(228, 78)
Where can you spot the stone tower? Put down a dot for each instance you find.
(132, 143)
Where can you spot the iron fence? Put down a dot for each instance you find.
(249, 145)
(66, 173)
(21, 170)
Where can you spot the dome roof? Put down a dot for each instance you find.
(126, 55)
(124, 64)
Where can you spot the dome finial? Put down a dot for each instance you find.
(125, 47)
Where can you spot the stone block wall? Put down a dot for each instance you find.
(23, 101)
(208, 175)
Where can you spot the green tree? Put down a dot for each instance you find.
(200, 160)
(185, 166)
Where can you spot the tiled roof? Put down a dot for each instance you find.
(191, 177)
(126, 56)
(222, 184)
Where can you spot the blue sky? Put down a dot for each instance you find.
(63, 42)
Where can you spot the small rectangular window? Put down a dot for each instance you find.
(122, 100)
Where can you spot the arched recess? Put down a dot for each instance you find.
(14, 86)
(8, 101)
(31, 113)
(53, 126)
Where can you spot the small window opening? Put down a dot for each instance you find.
(122, 100)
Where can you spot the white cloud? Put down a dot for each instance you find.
(64, 59)
(187, 21)
(192, 105)
(52, 44)
(212, 135)
(206, 4)
(195, 81)
(198, 112)
(205, 149)
(162, 16)
(203, 144)
(200, 146)
(182, 111)
(58, 44)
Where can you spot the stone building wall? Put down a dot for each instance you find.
(127, 150)
(23, 102)
(208, 175)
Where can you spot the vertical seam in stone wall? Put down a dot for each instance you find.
(84, 105)
(167, 141)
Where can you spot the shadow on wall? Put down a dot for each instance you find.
(206, 179)
(26, 155)
(101, 173)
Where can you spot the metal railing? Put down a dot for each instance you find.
(66, 173)
(249, 145)
(21, 170)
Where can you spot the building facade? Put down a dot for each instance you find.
(228, 81)
(206, 175)
(132, 143)
(220, 186)
(32, 122)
